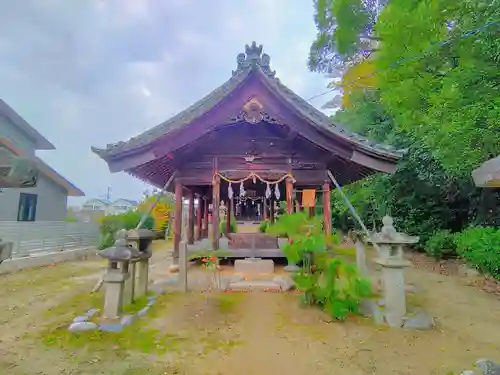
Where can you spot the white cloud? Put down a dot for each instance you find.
(99, 71)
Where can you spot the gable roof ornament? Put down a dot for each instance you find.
(252, 58)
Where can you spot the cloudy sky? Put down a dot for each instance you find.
(92, 72)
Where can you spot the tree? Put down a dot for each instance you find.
(161, 212)
(345, 32)
(445, 92)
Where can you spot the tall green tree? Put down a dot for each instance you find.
(445, 90)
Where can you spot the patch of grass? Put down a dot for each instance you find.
(133, 338)
(227, 303)
(213, 343)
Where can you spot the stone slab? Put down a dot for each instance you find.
(246, 286)
(254, 266)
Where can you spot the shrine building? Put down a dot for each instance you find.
(248, 144)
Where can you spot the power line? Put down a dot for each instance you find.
(420, 55)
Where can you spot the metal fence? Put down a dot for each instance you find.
(31, 238)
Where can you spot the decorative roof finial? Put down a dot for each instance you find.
(252, 58)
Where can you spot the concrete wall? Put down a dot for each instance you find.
(51, 201)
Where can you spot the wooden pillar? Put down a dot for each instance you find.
(327, 212)
(177, 218)
(190, 219)
(199, 233)
(311, 211)
(265, 209)
(205, 216)
(271, 210)
(215, 212)
(289, 194)
(228, 216)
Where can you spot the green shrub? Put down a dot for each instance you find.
(327, 282)
(441, 245)
(263, 226)
(480, 247)
(233, 227)
(110, 224)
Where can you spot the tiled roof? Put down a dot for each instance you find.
(247, 62)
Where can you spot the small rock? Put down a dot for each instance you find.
(143, 311)
(381, 302)
(468, 372)
(421, 320)
(127, 320)
(91, 312)
(286, 283)
(82, 327)
(79, 319)
(488, 367)
(111, 327)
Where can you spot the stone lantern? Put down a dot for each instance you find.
(119, 257)
(141, 240)
(391, 259)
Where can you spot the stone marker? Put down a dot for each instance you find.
(393, 263)
(119, 257)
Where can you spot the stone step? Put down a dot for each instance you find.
(254, 265)
(257, 285)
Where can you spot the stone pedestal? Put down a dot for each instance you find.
(394, 290)
(141, 240)
(129, 286)
(114, 281)
(6, 249)
(142, 270)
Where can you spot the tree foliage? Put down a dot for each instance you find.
(446, 95)
(345, 30)
(421, 195)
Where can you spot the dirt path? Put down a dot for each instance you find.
(245, 334)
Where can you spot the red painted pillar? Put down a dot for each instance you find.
(327, 210)
(289, 194)
(215, 213)
(177, 217)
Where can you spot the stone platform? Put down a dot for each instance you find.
(254, 266)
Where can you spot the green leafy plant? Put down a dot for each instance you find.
(263, 226)
(441, 245)
(325, 281)
(480, 247)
